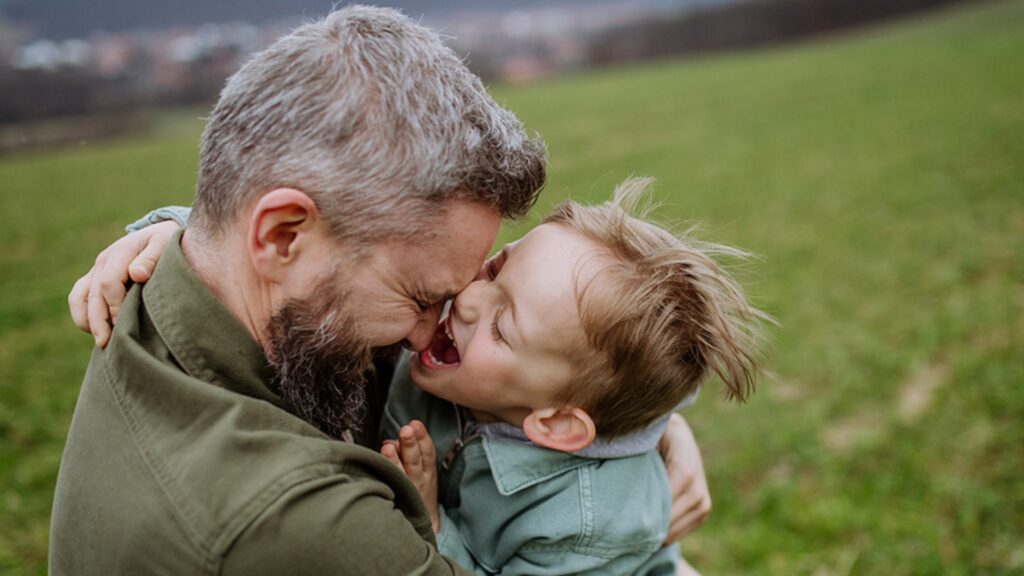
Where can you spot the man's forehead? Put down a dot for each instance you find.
(447, 278)
(454, 253)
(442, 262)
(433, 268)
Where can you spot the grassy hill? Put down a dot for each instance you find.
(880, 177)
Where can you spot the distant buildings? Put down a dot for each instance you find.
(527, 44)
(118, 72)
(186, 64)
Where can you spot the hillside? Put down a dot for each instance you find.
(880, 178)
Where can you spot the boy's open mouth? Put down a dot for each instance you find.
(442, 352)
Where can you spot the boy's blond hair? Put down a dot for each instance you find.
(660, 316)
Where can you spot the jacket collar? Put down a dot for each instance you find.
(204, 337)
(517, 463)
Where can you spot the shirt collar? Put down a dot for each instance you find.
(204, 337)
(517, 463)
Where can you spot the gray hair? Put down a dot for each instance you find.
(375, 119)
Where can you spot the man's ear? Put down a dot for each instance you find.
(280, 228)
(563, 429)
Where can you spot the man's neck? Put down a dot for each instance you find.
(221, 266)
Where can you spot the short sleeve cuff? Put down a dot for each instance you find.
(179, 214)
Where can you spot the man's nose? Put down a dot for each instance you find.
(423, 332)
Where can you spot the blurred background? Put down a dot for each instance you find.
(870, 152)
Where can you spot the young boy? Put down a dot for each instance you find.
(550, 380)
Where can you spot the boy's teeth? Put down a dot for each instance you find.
(448, 333)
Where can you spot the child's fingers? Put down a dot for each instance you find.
(98, 311)
(409, 449)
(425, 442)
(389, 451)
(78, 301)
(157, 237)
(141, 268)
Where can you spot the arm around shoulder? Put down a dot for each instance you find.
(178, 214)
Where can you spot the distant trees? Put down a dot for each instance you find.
(744, 25)
(33, 94)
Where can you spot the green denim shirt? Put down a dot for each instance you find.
(511, 507)
(182, 459)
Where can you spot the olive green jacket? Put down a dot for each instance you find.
(182, 459)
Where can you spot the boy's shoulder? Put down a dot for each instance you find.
(552, 500)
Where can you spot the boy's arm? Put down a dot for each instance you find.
(179, 214)
(96, 297)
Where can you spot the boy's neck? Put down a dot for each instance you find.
(487, 418)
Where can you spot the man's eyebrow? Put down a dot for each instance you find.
(436, 297)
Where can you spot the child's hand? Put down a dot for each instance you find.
(413, 452)
(96, 298)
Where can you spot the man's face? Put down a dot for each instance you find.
(396, 293)
(321, 344)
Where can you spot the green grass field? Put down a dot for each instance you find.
(880, 177)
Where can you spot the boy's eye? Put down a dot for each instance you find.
(496, 331)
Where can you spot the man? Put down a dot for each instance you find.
(352, 178)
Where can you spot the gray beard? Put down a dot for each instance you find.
(319, 363)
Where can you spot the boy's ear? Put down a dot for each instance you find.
(562, 429)
(281, 225)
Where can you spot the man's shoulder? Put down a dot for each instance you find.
(238, 488)
(200, 461)
(219, 454)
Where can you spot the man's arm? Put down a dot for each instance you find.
(328, 526)
(691, 501)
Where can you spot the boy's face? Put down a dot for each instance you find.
(505, 348)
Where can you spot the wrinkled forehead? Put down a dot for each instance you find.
(447, 259)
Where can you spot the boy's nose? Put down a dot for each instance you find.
(468, 303)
